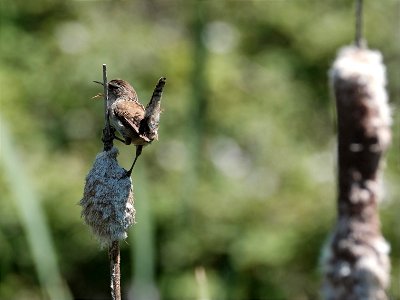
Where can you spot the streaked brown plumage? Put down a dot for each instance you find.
(126, 112)
(137, 125)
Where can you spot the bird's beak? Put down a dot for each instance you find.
(98, 82)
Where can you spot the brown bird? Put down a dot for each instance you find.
(137, 125)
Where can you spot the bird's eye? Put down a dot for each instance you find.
(112, 85)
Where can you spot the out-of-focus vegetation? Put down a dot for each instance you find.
(238, 195)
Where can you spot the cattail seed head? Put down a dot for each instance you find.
(107, 203)
(358, 76)
(355, 260)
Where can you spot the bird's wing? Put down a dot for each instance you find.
(130, 113)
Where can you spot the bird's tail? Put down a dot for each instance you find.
(156, 97)
(153, 110)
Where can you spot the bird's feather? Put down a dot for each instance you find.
(130, 113)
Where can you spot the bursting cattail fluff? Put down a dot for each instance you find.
(107, 203)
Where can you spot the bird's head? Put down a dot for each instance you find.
(118, 88)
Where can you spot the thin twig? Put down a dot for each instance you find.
(359, 18)
(108, 135)
(106, 120)
(114, 255)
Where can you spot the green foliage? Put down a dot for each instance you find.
(242, 179)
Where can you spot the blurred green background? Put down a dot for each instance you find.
(236, 198)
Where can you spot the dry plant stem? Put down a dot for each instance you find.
(358, 17)
(114, 254)
(108, 134)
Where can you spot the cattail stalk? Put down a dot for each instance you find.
(107, 203)
(113, 250)
(356, 262)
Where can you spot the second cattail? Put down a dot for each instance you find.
(356, 257)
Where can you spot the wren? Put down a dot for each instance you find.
(137, 124)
